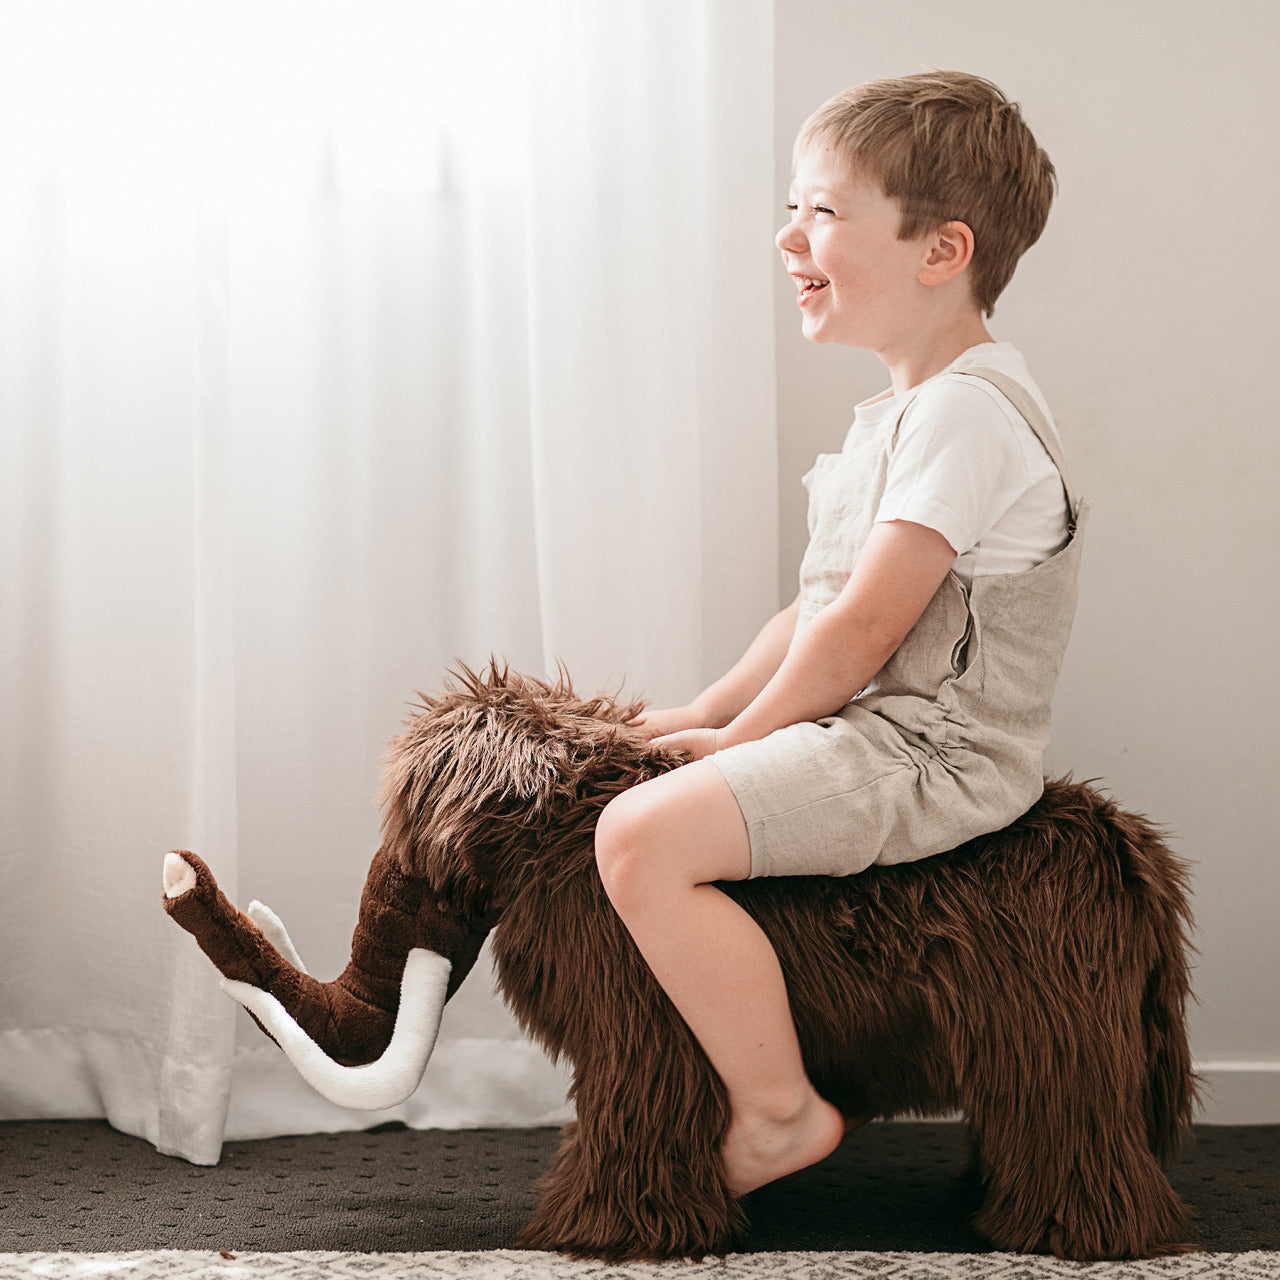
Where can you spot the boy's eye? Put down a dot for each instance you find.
(821, 208)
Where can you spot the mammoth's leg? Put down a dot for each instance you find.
(1061, 1138)
(638, 1174)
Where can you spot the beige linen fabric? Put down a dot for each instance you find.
(947, 741)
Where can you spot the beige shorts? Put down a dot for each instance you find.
(830, 797)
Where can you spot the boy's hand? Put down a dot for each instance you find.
(696, 743)
(656, 724)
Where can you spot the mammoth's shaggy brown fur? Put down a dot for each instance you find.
(1034, 979)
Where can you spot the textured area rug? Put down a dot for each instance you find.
(516, 1265)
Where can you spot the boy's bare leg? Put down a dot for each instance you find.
(658, 847)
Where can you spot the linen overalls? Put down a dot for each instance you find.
(947, 741)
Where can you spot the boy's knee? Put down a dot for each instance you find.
(624, 847)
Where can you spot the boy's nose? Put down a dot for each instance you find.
(789, 238)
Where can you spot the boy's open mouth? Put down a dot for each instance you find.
(808, 286)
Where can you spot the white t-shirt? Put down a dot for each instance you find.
(967, 465)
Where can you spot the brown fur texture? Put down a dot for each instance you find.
(1034, 979)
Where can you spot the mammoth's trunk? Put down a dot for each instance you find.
(362, 1040)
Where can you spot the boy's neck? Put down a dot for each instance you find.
(930, 352)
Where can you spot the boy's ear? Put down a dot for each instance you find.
(948, 251)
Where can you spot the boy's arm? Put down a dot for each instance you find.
(901, 566)
(720, 702)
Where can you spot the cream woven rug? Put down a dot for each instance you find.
(517, 1265)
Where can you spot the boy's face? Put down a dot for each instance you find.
(858, 283)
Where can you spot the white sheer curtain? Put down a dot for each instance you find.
(339, 343)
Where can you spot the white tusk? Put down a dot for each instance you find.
(276, 933)
(395, 1075)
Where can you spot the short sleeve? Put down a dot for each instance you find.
(957, 464)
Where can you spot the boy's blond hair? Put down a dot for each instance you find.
(946, 145)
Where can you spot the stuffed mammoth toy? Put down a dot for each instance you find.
(1034, 979)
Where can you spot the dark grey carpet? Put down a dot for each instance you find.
(79, 1185)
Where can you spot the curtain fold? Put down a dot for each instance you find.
(339, 344)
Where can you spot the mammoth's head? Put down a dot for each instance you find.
(496, 777)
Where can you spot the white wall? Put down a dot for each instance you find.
(1147, 313)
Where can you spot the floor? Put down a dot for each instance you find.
(80, 1185)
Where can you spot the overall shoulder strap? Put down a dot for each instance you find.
(1023, 402)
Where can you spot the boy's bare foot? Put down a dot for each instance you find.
(758, 1149)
